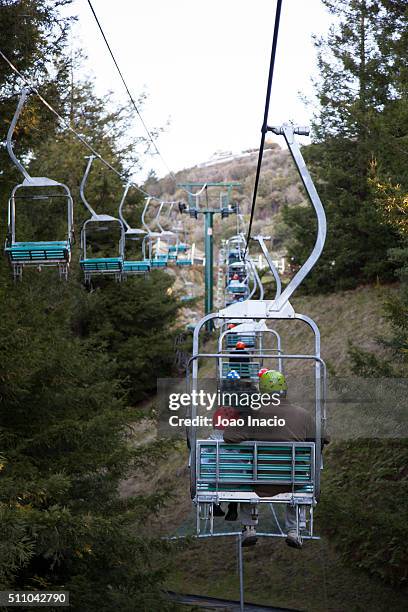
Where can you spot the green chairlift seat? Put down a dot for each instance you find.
(244, 369)
(136, 267)
(102, 265)
(178, 248)
(240, 288)
(248, 339)
(39, 252)
(240, 467)
(156, 262)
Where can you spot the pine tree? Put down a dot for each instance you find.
(359, 96)
(34, 37)
(63, 422)
(393, 205)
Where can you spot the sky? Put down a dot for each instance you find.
(204, 68)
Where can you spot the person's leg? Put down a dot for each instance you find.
(249, 520)
(293, 538)
(249, 514)
(290, 518)
(217, 510)
(232, 513)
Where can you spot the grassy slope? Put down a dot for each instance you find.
(349, 316)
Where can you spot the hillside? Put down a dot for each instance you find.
(279, 186)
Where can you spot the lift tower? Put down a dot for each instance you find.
(196, 193)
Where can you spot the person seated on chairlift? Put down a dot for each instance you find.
(231, 326)
(299, 426)
(241, 352)
(223, 413)
(235, 281)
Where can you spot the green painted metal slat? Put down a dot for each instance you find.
(136, 265)
(266, 468)
(102, 264)
(37, 252)
(232, 340)
(245, 370)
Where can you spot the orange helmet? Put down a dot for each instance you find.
(240, 345)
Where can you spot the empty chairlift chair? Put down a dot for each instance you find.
(100, 266)
(154, 253)
(151, 251)
(131, 266)
(168, 251)
(178, 247)
(34, 190)
(185, 255)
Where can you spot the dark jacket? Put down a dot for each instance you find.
(242, 356)
(299, 427)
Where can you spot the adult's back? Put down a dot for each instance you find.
(299, 426)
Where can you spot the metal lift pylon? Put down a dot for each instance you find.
(194, 209)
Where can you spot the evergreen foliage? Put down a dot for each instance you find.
(63, 420)
(363, 108)
(364, 506)
(75, 363)
(373, 504)
(392, 202)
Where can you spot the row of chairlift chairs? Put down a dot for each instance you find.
(242, 280)
(222, 472)
(160, 247)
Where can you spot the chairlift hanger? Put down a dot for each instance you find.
(131, 267)
(261, 240)
(130, 232)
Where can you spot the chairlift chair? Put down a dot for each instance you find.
(34, 253)
(217, 475)
(188, 255)
(100, 266)
(131, 267)
(189, 295)
(151, 245)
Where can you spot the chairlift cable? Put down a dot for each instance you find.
(67, 126)
(265, 118)
(131, 98)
